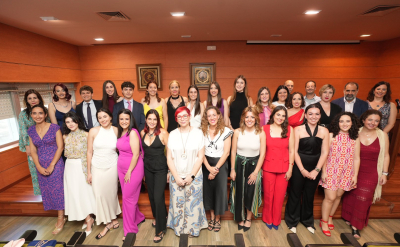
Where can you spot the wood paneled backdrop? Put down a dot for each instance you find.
(28, 57)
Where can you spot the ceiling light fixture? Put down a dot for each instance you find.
(99, 39)
(186, 36)
(177, 14)
(365, 35)
(48, 18)
(312, 12)
(276, 35)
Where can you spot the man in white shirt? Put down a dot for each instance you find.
(290, 85)
(350, 103)
(311, 97)
(88, 108)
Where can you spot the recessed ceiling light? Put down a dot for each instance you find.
(276, 35)
(48, 18)
(177, 13)
(186, 36)
(365, 35)
(99, 39)
(312, 12)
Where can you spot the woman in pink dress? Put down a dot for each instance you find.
(264, 105)
(339, 174)
(130, 170)
(295, 111)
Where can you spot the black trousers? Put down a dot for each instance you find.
(215, 192)
(300, 204)
(156, 182)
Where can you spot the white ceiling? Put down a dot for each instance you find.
(205, 20)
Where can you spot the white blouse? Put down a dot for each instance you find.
(276, 103)
(189, 143)
(215, 147)
(195, 121)
(248, 144)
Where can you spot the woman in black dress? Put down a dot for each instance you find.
(154, 140)
(311, 151)
(238, 101)
(328, 110)
(174, 102)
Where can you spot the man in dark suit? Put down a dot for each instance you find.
(128, 103)
(88, 108)
(350, 103)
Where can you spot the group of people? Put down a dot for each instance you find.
(288, 143)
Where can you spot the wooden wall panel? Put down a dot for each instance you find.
(13, 167)
(29, 57)
(262, 65)
(389, 65)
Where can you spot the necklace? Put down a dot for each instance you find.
(151, 135)
(184, 156)
(65, 106)
(172, 97)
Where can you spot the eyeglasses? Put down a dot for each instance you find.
(184, 117)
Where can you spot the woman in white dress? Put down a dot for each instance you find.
(195, 107)
(79, 199)
(102, 160)
(185, 155)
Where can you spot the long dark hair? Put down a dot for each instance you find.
(290, 102)
(147, 96)
(285, 125)
(276, 94)
(28, 106)
(41, 107)
(353, 131)
(388, 95)
(67, 95)
(157, 130)
(209, 97)
(105, 95)
(105, 110)
(131, 126)
(315, 105)
(197, 104)
(76, 119)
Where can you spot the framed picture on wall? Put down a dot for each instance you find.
(147, 73)
(202, 74)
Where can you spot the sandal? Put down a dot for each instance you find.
(58, 229)
(326, 232)
(355, 233)
(152, 224)
(331, 226)
(211, 225)
(115, 226)
(217, 226)
(160, 235)
(88, 224)
(99, 236)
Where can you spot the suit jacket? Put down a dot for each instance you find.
(137, 113)
(359, 108)
(97, 103)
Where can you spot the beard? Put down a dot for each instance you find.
(349, 97)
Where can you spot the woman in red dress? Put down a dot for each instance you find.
(295, 111)
(374, 163)
(278, 165)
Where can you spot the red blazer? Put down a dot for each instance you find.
(277, 152)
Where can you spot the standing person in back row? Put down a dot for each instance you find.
(289, 84)
(238, 101)
(88, 108)
(129, 103)
(350, 103)
(311, 97)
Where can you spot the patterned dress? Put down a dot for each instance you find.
(52, 186)
(385, 110)
(24, 123)
(340, 164)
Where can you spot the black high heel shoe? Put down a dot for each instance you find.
(245, 228)
(355, 232)
(241, 227)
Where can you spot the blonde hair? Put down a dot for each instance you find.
(253, 110)
(204, 121)
(172, 82)
(326, 86)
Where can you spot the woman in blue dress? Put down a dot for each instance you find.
(46, 144)
(61, 105)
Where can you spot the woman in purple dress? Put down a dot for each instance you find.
(46, 145)
(130, 170)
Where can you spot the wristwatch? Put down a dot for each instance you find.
(193, 177)
(317, 169)
(385, 173)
